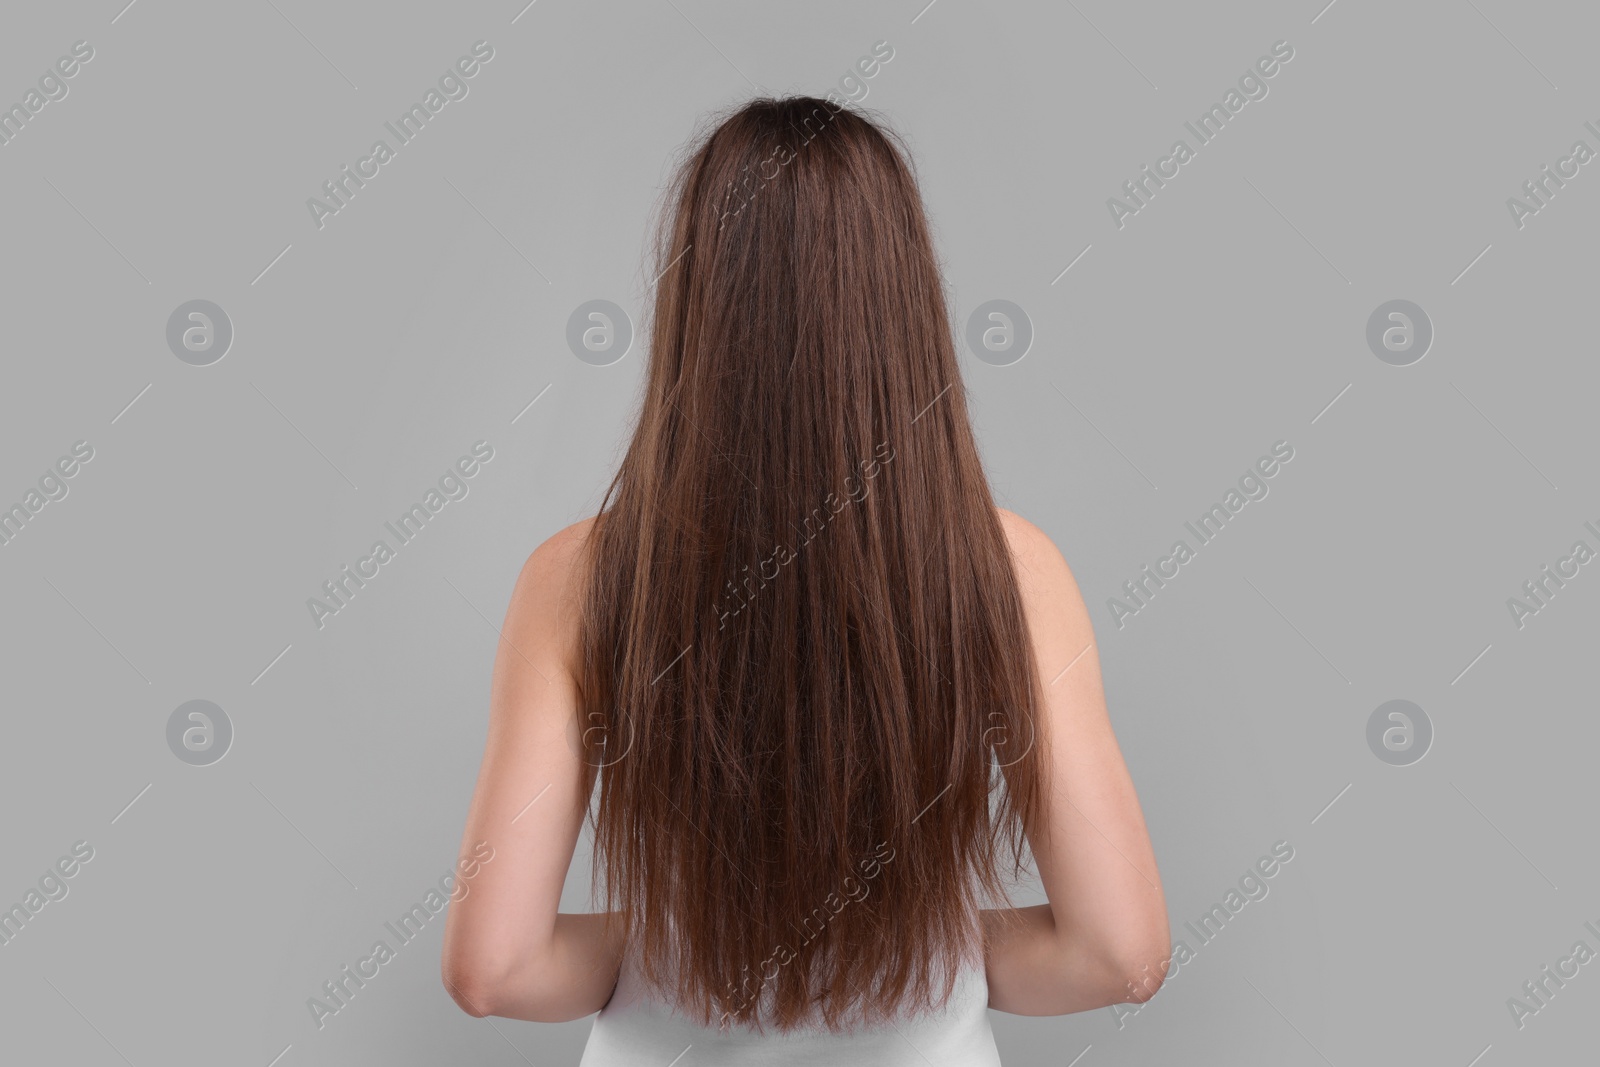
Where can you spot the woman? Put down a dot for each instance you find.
(819, 687)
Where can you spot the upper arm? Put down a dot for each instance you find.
(531, 793)
(1073, 707)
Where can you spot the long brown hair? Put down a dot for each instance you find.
(806, 669)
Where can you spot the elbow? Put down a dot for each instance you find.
(1103, 966)
(476, 979)
(1137, 968)
(472, 991)
(481, 989)
(1145, 981)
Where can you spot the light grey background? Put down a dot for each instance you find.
(370, 354)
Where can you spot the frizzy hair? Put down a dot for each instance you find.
(874, 693)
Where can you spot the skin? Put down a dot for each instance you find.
(1103, 938)
(510, 951)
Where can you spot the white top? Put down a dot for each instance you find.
(639, 1028)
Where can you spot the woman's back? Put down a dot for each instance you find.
(640, 1026)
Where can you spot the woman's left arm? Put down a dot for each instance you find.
(507, 950)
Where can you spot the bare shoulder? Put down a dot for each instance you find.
(1041, 568)
(544, 608)
(559, 557)
(1057, 616)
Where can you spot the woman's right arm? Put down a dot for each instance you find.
(1103, 938)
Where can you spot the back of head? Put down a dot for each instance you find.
(804, 650)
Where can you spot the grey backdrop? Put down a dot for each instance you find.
(368, 354)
